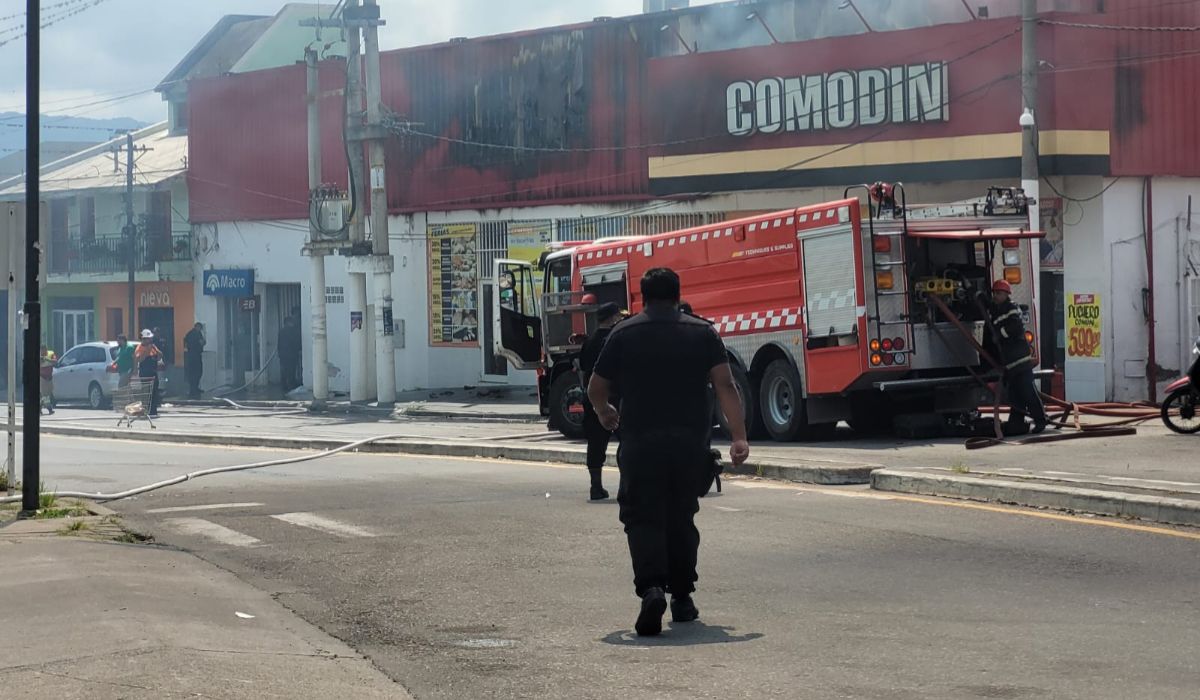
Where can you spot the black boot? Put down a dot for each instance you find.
(649, 621)
(683, 608)
(598, 492)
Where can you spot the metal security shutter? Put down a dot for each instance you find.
(829, 284)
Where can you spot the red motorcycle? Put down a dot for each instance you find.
(1183, 398)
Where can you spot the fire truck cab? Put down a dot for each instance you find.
(860, 309)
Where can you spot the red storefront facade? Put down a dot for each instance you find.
(617, 114)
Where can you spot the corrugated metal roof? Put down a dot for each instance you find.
(101, 167)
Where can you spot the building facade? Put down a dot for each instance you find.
(622, 126)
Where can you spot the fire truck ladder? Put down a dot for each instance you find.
(893, 245)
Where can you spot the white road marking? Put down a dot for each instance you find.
(213, 531)
(211, 506)
(727, 509)
(1150, 481)
(326, 525)
(1066, 473)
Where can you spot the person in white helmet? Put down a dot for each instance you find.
(148, 360)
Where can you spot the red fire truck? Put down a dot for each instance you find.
(862, 309)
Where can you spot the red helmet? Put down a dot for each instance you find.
(1002, 286)
(588, 299)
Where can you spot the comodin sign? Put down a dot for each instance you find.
(229, 283)
(839, 100)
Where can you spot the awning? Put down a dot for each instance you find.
(979, 234)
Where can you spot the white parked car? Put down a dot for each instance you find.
(82, 374)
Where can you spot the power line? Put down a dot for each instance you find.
(50, 21)
(1117, 27)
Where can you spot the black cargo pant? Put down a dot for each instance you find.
(661, 479)
(597, 436)
(1023, 397)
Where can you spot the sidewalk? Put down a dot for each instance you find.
(99, 620)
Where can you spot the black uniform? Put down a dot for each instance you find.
(661, 359)
(193, 360)
(1023, 397)
(597, 435)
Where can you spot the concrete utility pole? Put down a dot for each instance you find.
(385, 352)
(1030, 181)
(320, 339)
(31, 475)
(130, 235)
(10, 231)
(356, 295)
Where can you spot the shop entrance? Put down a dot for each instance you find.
(495, 367)
(1052, 315)
(280, 302)
(239, 329)
(162, 323)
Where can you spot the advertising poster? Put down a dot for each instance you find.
(1084, 339)
(453, 285)
(1052, 225)
(527, 242)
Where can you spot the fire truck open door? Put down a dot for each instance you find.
(517, 324)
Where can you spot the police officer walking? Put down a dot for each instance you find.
(663, 361)
(597, 435)
(1023, 397)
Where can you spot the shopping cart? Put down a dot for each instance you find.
(132, 401)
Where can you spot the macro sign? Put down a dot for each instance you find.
(229, 283)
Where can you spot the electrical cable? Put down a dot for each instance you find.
(1085, 199)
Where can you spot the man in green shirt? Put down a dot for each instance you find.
(124, 359)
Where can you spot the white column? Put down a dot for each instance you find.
(356, 298)
(385, 349)
(320, 335)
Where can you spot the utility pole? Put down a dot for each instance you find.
(12, 247)
(1030, 178)
(31, 476)
(385, 351)
(130, 235)
(356, 296)
(320, 339)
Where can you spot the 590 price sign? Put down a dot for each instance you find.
(1084, 337)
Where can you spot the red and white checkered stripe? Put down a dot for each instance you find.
(778, 319)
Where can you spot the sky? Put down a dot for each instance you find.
(118, 48)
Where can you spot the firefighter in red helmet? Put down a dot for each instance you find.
(1023, 397)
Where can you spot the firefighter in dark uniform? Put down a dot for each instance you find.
(664, 360)
(1023, 397)
(597, 435)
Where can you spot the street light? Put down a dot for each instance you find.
(679, 36)
(852, 6)
(755, 16)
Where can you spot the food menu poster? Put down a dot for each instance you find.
(453, 285)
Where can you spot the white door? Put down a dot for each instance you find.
(67, 376)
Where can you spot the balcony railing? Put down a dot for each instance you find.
(110, 254)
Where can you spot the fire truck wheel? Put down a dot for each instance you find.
(749, 404)
(781, 402)
(566, 405)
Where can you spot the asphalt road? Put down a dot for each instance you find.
(470, 579)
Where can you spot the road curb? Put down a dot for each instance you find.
(824, 473)
(1160, 509)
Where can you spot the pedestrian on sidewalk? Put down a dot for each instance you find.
(663, 361)
(149, 359)
(124, 360)
(1023, 397)
(289, 347)
(597, 435)
(47, 361)
(193, 358)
